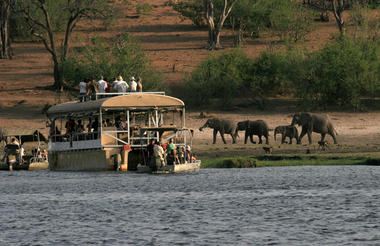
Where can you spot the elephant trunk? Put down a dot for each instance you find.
(294, 122)
(204, 126)
(236, 134)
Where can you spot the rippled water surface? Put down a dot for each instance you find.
(333, 205)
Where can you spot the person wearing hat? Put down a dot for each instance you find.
(121, 85)
(133, 84)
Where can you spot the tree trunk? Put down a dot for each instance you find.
(58, 80)
(338, 8)
(5, 8)
(215, 30)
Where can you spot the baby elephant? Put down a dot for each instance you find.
(287, 131)
(257, 127)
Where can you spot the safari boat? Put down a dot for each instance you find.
(16, 157)
(113, 133)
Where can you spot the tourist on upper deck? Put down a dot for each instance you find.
(122, 86)
(139, 85)
(93, 88)
(82, 91)
(108, 88)
(133, 84)
(114, 84)
(102, 85)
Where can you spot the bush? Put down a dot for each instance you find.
(122, 56)
(240, 162)
(143, 8)
(340, 73)
(219, 77)
(285, 19)
(192, 10)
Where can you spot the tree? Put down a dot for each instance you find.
(214, 28)
(338, 8)
(5, 12)
(46, 18)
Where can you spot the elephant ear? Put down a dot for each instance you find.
(306, 119)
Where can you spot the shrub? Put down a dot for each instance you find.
(340, 73)
(143, 8)
(219, 77)
(192, 10)
(122, 56)
(285, 19)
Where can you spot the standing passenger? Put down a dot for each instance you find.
(139, 85)
(102, 85)
(122, 86)
(82, 91)
(114, 84)
(133, 84)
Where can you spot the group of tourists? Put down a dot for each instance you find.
(89, 88)
(162, 154)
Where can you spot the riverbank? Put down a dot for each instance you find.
(268, 160)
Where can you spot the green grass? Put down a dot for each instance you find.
(293, 160)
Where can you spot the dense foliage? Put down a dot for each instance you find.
(122, 56)
(338, 74)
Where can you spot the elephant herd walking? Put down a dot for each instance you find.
(318, 123)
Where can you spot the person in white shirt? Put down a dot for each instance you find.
(102, 85)
(133, 84)
(159, 154)
(82, 91)
(121, 86)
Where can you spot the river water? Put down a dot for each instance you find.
(330, 205)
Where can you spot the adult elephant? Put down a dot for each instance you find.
(223, 126)
(286, 131)
(257, 127)
(319, 123)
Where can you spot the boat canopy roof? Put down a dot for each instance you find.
(129, 101)
(26, 135)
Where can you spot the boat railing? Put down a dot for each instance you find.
(112, 94)
(78, 136)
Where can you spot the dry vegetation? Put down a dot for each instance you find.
(175, 47)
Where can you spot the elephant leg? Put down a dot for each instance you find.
(332, 134)
(283, 139)
(290, 141)
(303, 132)
(214, 136)
(245, 138)
(260, 140)
(309, 137)
(323, 135)
(233, 138)
(266, 139)
(222, 135)
(251, 138)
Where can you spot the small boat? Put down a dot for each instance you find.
(15, 156)
(175, 168)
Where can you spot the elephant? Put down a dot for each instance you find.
(286, 131)
(257, 127)
(223, 126)
(319, 123)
